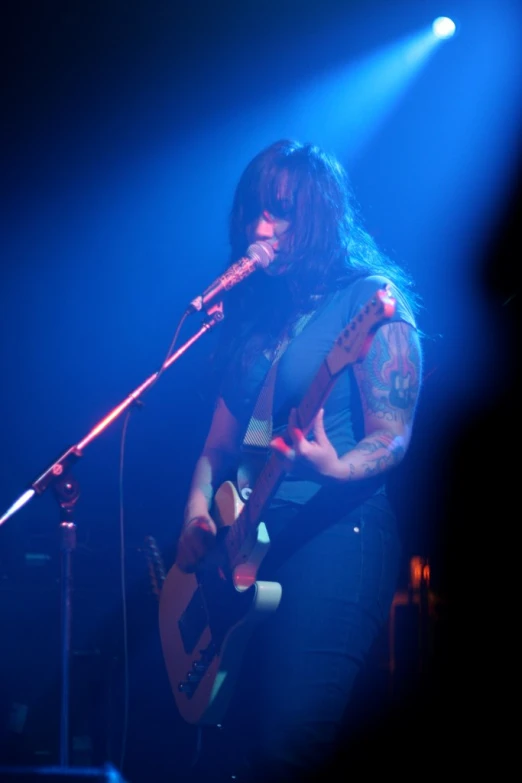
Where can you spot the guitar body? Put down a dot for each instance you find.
(206, 618)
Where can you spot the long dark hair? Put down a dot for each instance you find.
(326, 242)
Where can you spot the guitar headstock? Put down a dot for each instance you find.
(155, 565)
(352, 344)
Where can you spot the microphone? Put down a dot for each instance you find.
(259, 256)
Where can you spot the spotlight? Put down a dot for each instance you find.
(443, 27)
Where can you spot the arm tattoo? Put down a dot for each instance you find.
(382, 451)
(389, 376)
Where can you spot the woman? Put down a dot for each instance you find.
(334, 548)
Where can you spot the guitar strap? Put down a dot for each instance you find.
(258, 434)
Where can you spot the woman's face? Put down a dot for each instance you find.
(271, 229)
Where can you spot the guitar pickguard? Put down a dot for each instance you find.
(215, 604)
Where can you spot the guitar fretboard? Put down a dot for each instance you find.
(241, 536)
(350, 346)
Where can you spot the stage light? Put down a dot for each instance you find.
(443, 27)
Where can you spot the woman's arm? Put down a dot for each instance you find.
(218, 454)
(389, 380)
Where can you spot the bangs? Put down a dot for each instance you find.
(275, 190)
(278, 193)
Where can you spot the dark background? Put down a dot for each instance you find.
(125, 127)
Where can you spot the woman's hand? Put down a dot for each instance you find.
(317, 456)
(197, 538)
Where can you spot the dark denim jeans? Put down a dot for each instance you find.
(304, 660)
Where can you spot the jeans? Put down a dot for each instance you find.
(304, 661)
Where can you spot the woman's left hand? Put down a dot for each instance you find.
(317, 455)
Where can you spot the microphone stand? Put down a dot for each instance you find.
(66, 491)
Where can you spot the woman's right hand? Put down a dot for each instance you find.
(197, 538)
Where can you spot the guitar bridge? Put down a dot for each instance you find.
(200, 666)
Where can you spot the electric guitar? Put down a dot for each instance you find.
(206, 618)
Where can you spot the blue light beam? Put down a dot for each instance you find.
(351, 104)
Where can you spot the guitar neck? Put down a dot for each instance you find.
(268, 480)
(351, 346)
